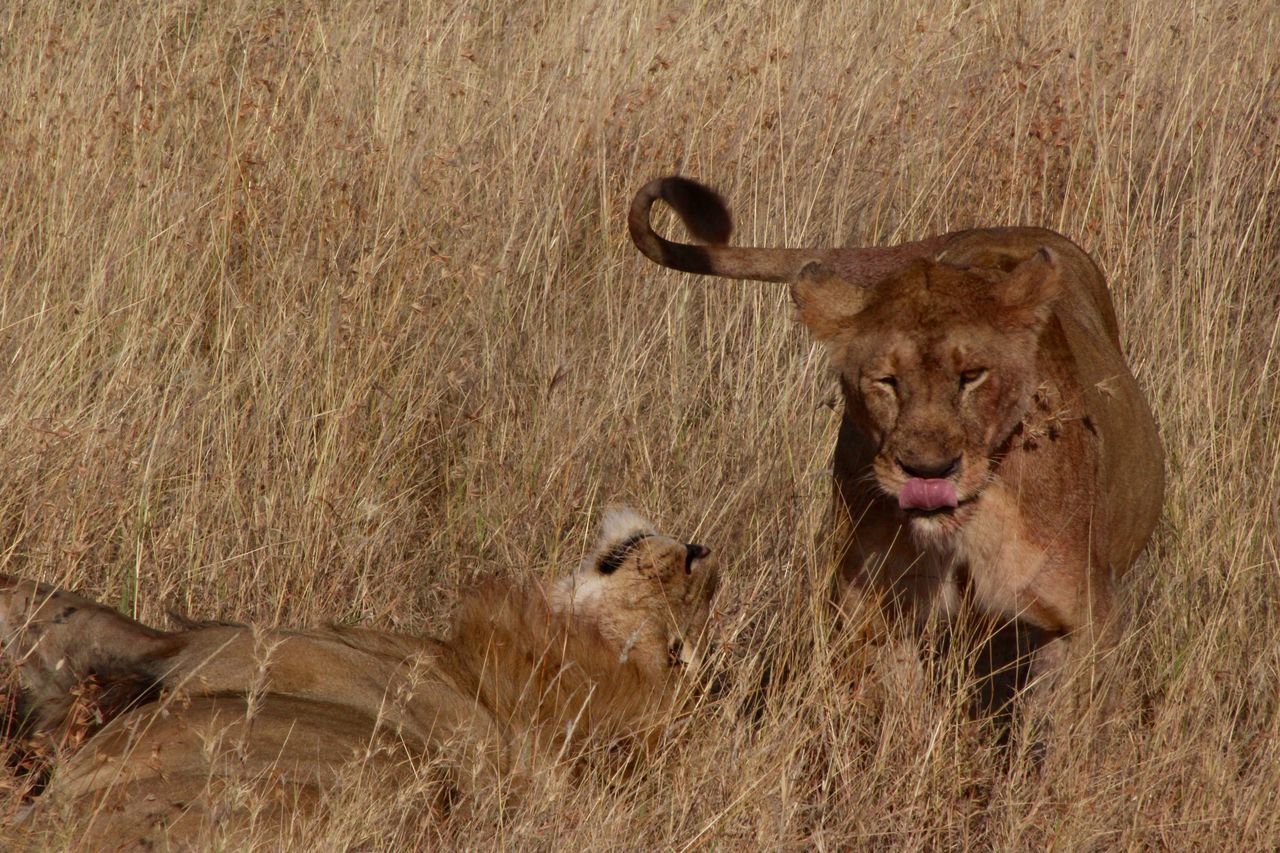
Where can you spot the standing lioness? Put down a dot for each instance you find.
(994, 444)
(229, 730)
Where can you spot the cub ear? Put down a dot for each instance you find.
(619, 524)
(1031, 287)
(620, 529)
(824, 301)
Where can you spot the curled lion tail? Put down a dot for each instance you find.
(700, 208)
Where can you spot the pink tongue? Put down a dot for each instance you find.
(919, 493)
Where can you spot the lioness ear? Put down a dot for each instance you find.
(1031, 287)
(825, 302)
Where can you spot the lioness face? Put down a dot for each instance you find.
(937, 368)
(649, 594)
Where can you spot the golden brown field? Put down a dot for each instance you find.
(319, 310)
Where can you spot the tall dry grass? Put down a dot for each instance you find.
(318, 310)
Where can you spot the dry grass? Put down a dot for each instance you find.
(318, 310)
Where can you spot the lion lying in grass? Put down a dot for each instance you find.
(184, 717)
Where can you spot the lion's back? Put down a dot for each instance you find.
(1131, 459)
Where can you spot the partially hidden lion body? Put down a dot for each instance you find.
(220, 728)
(995, 446)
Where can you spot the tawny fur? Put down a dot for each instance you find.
(1060, 469)
(520, 684)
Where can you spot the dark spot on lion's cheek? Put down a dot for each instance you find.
(67, 613)
(872, 421)
(674, 652)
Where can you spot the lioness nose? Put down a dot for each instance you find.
(929, 469)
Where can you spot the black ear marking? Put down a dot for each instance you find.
(612, 560)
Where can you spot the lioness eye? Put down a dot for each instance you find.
(890, 382)
(969, 377)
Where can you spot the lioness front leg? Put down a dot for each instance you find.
(1075, 609)
(891, 608)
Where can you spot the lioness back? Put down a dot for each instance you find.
(1131, 460)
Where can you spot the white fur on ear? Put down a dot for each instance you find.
(619, 524)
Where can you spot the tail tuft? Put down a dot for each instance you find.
(701, 209)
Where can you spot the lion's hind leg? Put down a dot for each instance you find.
(58, 647)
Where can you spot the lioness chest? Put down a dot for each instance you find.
(998, 560)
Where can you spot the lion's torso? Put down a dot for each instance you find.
(279, 719)
(253, 725)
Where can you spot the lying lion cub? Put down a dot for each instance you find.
(195, 717)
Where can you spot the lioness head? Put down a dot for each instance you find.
(649, 594)
(937, 365)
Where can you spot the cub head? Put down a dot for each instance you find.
(648, 594)
(938, 366)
